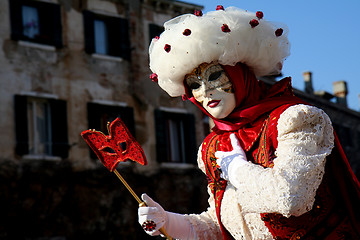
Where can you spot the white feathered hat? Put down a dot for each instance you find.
(227, 36)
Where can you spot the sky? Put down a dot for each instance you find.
(324, 37)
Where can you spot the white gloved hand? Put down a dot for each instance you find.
(229, 162)
(174, 224)
(153, 212)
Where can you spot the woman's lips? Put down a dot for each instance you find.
(213, 103)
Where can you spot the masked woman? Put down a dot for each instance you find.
(275, 168)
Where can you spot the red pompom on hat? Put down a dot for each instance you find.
(254, 23)
(187, 32)
(279, 32)
(219, 7)
(259, 14)
(198, 13)
(167, 48)
(154, 77)
(225, 28)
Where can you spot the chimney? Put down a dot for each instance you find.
(308, 82)
(340, 91)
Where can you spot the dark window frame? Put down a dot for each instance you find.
(162, 136)
(99, 114)
(345, 135)
(59, 126)
(49, 22)
(118, 35)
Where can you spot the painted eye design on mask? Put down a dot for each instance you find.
(214, 76)
(194, 85)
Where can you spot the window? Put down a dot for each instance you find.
(207, 124)
(345, 135)
(101, 42)
(154, 30)
(41, 126)
(30, 22)
(106, 35)
(35, 21)
(175, 137)
(100, 114)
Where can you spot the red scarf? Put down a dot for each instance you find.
(253, 101)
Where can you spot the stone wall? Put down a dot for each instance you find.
(48, 200)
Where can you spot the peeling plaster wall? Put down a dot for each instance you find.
(77, 197)
(72, 75)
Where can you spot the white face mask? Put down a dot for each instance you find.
(212, 89)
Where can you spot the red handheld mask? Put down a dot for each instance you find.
(116, 147)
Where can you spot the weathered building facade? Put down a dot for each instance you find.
(68, 66)
(72, 65)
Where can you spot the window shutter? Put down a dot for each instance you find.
(190, 139)
(161, 136)
(15, 19)
(50, 23)
(125, 39)
(118, 37)
(94, 115)
(88, 18)
(21, 125)
(127, 116)
(154, 30)
(114, 36)
(59, 127)
(56, 24)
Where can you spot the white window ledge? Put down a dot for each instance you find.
(171, 165)
(110, 103)
(106, 57)
(37, 45)
(39, 95)
(36, 157)
(121, 165)
(173, 110)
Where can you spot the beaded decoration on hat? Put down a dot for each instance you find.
(227, 36)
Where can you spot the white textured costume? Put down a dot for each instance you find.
(305, 138)
(265, 159)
